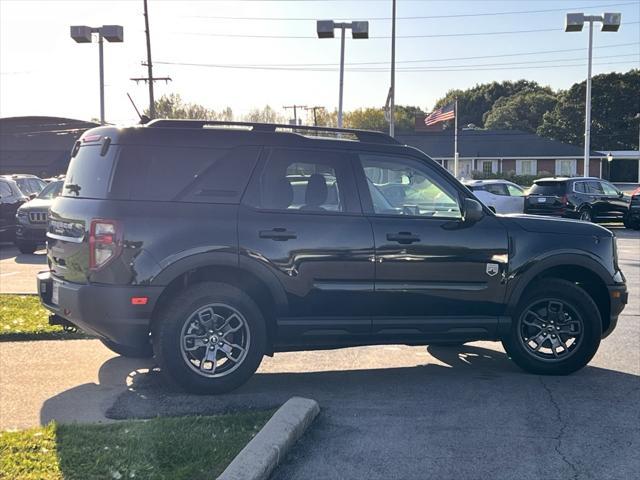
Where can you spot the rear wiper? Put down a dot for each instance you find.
(73, 188)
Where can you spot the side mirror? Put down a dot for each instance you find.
(492, 208)
(472, 210)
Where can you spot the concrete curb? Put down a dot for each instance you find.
(264, 452)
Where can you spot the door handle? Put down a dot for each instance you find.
(403, 237)
(277, 234)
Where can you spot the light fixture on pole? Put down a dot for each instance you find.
(574, 23)
(325, 29)
(111, 33)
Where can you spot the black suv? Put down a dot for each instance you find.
(11, 198)
(211, 244)
(588, 199)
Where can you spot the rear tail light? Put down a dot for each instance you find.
(105, 242)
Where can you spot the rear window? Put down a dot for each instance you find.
(548, 188)
(89, 173)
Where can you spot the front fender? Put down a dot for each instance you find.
(521, 277)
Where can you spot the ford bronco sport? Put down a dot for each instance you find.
(211, 244)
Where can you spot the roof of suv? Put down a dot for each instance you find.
(565, 179)
(203, 133)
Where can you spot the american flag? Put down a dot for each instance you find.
(447, 112)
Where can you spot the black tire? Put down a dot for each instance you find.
(575, 300)
(586, 215)
(179, 313)
(26, 247)
(127, 351)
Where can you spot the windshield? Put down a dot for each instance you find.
(51, 191)
(29, 186)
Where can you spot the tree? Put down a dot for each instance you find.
(264, 115)
(615, 101)
(473, 103)
(373, 118)
(172, 106)
(522, 111)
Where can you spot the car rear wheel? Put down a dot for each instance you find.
(556, 329)
(585, 214)
(143, 351)
(26, 247)
(210, 338)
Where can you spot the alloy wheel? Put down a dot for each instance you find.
(550, 330)
(214, 340)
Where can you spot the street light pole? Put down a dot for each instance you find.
(325, 29)
(574, 23)
(342, 32)
(587, 116)
(101, 61)
(392, 103)
(110, 33)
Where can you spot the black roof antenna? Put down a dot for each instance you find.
(143, 118)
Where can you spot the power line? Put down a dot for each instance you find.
(444, 68)
(305, 65)
(434, 35)
(417, 17)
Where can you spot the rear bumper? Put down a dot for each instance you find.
(618, 296)
(102, 310)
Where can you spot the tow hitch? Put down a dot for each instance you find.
(66, 325)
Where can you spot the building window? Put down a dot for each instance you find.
(526, 167)
(487, 167)
(566, 167)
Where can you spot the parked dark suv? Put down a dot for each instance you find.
(217, 243)
(587, 199)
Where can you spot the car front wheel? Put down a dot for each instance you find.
(556, 329)
(585, 215)
(26, 247)
(210, 339)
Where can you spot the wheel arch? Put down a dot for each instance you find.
(587, 273)
(249, 276)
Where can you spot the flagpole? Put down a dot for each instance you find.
(455, 140)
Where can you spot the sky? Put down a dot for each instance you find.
(223, 53)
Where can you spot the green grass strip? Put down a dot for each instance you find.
(162, 448)
(23, 318)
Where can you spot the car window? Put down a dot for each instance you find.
(496, 189)
(609, 189)
(515, 191)
(5, 190)
(408, 187)
(304, 181)
(548, 188)
(51, 191)
(23, 185)
(580, 187)
(595, 188)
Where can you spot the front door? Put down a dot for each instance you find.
(301, 218)
(614, 203)
(435, 273)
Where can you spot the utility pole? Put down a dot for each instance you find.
(152, 103)
(295, 111)
(315, 116)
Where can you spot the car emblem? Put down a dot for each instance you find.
(492, 269)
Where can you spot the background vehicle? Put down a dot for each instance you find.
(626, 187)
(502, 195)
(11, 198)
(29, 185)
(632, 219)
(208, 246)
(32, 218)
(587, 199)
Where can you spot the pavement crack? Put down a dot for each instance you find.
(563, 426)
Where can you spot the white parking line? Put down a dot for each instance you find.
(8, 273)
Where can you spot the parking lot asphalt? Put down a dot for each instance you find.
(387, 411)
(18, 271)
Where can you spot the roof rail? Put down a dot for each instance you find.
(367, 136)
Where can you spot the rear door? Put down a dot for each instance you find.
(435, 274)
(301, 219)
